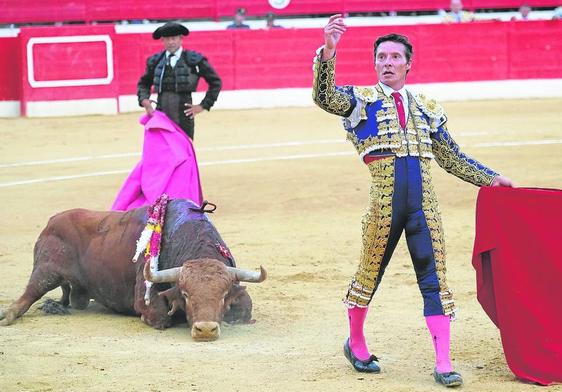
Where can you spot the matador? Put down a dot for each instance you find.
(397, 134)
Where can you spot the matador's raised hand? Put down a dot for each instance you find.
(332, 34)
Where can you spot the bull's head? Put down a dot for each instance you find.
(206, 289)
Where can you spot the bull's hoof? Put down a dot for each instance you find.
(7, 317)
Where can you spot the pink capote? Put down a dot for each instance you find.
(168, 165)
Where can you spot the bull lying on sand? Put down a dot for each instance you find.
(88, 254)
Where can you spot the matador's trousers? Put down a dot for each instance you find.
(173, 104)
(402, 199)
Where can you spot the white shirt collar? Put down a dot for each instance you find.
(177, 53)
(389, 90)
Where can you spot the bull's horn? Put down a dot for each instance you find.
(165, 276)
(244, 275)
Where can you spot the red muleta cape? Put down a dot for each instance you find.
(518, 260)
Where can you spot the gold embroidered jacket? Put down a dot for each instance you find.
(371, 120)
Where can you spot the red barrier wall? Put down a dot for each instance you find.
(443, 53)
(266, 59)
(10, 69)
(42, 11)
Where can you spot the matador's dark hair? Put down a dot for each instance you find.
(401, 39)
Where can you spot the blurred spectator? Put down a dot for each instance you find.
(557, 14)
(239, 19)
(457, 14)
(270, 21)
(524, 12)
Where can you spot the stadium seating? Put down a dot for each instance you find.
(51, 11)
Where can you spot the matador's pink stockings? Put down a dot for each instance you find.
(440, 329)
(357, 343)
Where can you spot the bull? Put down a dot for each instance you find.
(89, 255)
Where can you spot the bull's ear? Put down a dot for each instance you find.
(235, 292)
(174, 298)
(239, 305)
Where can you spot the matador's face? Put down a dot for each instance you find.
(391, 64)
(172, 44)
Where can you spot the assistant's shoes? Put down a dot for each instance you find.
(449, 379)
(370, 365)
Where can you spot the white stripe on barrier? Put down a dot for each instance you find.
(70, 82)
(260, 159)
(301, 97)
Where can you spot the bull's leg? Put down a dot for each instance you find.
(154, 314)
(42, 280)
(79, 297)
(65, 299)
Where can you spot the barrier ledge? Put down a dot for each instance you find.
(10, 108)
(74, 107)
(294, 97)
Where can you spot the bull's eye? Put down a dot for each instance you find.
(184, 295)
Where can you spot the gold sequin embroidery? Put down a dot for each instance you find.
(376, 230)
(324, 92)
(448, 156)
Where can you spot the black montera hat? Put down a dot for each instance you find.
(170, 29)
(241, 11)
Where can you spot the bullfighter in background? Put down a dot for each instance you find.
(396, 134)
(175, 73)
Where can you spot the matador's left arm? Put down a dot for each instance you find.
(213, 81)
(449, 156)
(447, 152)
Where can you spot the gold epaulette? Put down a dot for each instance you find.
(365, 94)
(429, 107)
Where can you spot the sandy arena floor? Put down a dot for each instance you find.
(293, 207)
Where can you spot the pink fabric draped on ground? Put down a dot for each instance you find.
(168, 165)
